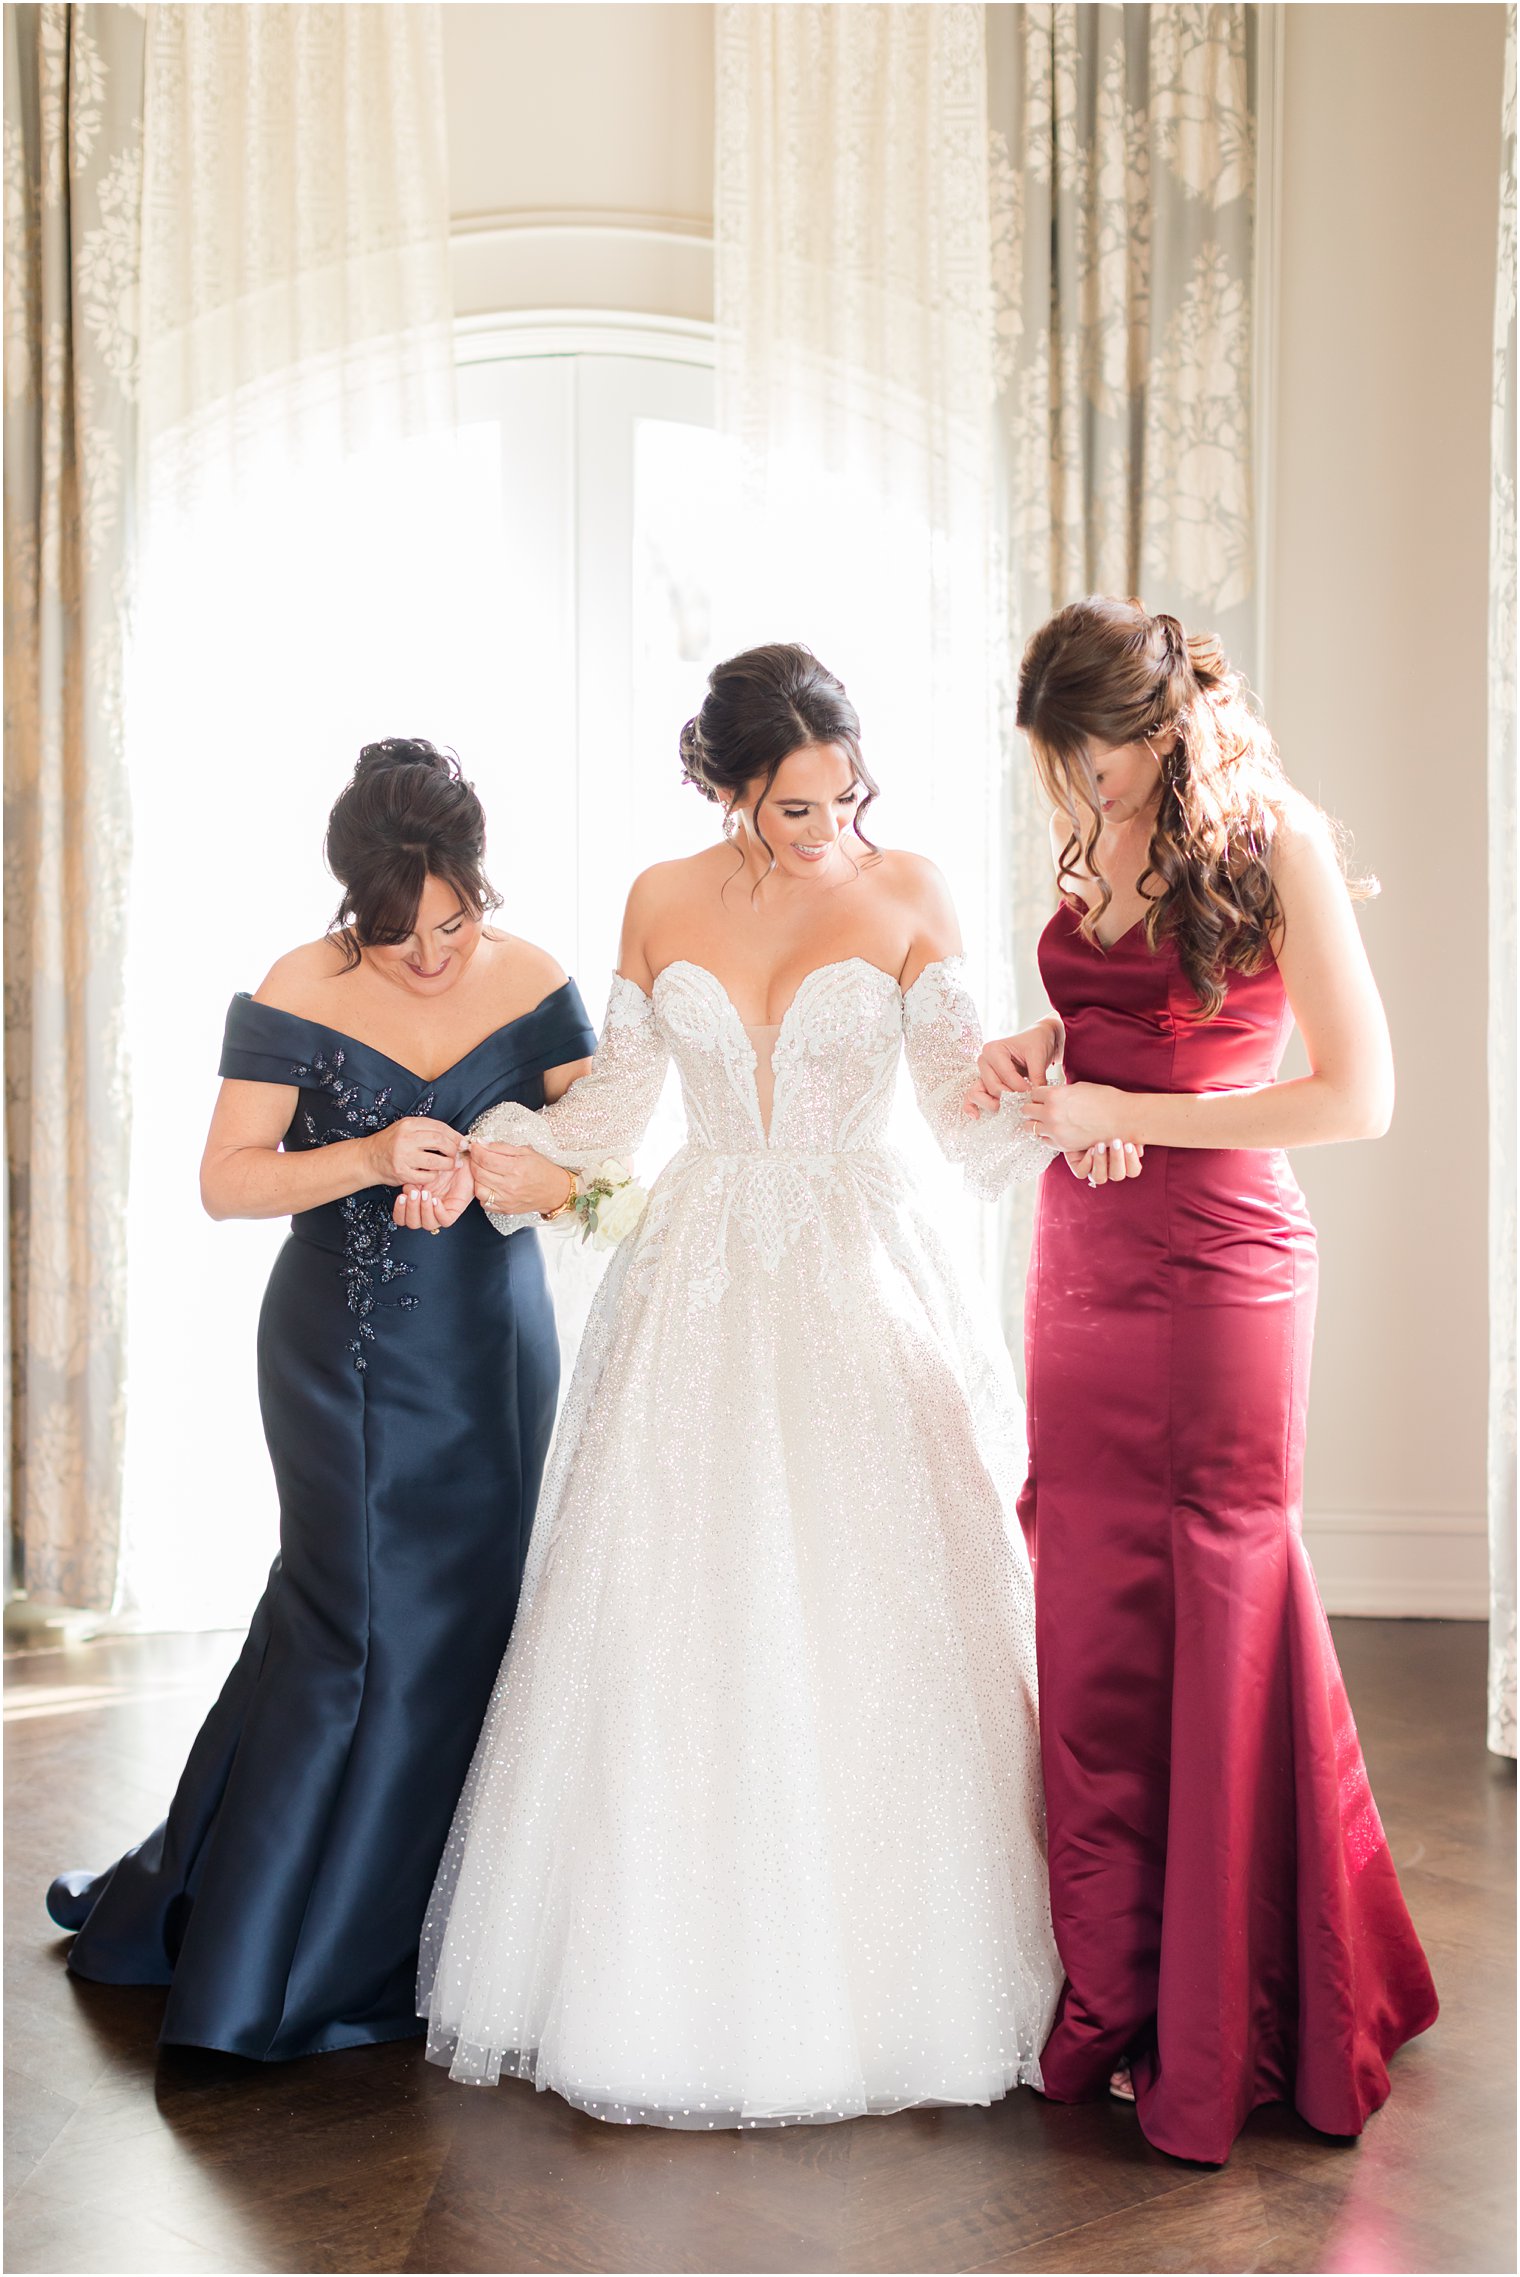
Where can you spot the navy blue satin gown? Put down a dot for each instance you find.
(407, 1384)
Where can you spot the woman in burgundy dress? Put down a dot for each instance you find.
(1225, 1905)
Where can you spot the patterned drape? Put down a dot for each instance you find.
(1502, 1156)
(73, 171)
(1122, 181)
(1122, 195)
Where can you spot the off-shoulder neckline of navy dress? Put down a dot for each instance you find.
(358, 1043)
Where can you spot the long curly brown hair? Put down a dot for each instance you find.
(1109, 672)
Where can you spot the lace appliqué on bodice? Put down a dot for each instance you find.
(824, 1166)
(368, 1227)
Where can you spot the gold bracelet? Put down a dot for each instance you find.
(548, 1216)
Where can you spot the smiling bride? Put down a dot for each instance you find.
(754, 1830)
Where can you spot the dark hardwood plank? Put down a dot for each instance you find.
(123, 2159)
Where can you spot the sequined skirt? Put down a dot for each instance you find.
(754, 1831)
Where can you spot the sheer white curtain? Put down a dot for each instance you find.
(1501, 986)
(854, 379)
(303, 507)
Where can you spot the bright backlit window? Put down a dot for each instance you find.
(546, 596)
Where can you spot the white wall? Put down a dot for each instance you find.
(582, 155)
(1376, 692)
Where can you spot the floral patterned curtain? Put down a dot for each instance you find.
(73, 171)
(1122, 198)
(1122, 188)
(1502, 1153)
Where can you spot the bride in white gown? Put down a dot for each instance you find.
(754, 1830)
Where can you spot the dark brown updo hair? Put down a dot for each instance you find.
(1108, 671)
(759, 708)
(406, 815)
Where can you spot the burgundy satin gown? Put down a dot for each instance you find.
(1224, 1901)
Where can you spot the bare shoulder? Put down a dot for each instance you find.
(525, 960)
(1304, 844)
(525, 973)
(922, 900)
(1069, 874)
(658, 895)
(665, 884)
(297, 980)
(915, 882)
(666, 889)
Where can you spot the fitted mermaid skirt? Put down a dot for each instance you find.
(1226, 1908)
(407, 1387)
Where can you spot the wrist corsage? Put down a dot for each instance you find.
(609, 1205)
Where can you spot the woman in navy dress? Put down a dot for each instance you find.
(407, 1390)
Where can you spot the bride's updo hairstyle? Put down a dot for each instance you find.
(759, 708)
(1107, 671)
(406, 815)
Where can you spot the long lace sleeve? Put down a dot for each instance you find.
(605, 1113)
(941, 1039)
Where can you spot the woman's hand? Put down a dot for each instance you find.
(1013, 1063)
(424, 1209)
(1106, 1165)
(415, 1151)
(512, 1180)
(1075, 1116)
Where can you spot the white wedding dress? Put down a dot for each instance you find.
(754, 1831)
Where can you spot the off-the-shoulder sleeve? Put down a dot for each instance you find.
(605, 1113)
(942, 1038)
(554, 1033)
(261, 1044)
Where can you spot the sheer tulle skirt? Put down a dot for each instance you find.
(754, 1830)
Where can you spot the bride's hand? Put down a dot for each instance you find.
(429, 1209)
(512, 1180)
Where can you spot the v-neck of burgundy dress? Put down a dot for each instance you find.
(1224, 1901)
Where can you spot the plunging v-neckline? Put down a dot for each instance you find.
(766, 1123)
(836, 964)
(1107, 947)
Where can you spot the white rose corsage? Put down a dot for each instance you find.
(609, 1205)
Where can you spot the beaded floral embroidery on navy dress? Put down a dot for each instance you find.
(368, 1226)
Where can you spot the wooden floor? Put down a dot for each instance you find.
(119, 2159)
